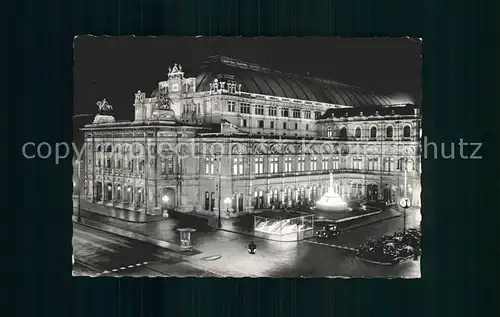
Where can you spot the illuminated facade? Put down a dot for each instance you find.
(255, 135)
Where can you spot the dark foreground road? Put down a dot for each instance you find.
(104, 254)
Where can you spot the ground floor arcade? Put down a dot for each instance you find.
(240, 196)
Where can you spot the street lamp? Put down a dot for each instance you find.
(78, 186)
(405, 202)
(218, 155)
(78, 166)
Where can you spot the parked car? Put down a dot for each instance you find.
(327, 230)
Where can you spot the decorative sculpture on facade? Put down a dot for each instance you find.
(162, 108)
(219, 87)
(140, 97)
(163, 100)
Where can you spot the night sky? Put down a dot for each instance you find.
(116, 67)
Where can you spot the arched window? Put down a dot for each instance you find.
(234, 202)
(207, 201)
(212, 202)
(406, 131)
(109, 149)
(410, 166)
(329, 132)
(357, 133)
(240, 202)
(343, 132)
(373, 132)
(388, 132)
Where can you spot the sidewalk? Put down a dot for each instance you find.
(117, 213)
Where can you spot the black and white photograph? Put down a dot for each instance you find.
(247, 157)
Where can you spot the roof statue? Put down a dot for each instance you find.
(104, 107)
(176, 71)
(104, 112)
(139, 97)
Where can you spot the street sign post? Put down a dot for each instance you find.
(405, 203)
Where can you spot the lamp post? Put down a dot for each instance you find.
(78, 161)
(406, 204)
(79, 182)
(218, 155)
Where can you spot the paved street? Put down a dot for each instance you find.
(225, 253)
(100, 253)
(353, 238)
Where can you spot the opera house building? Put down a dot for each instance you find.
(242, 137)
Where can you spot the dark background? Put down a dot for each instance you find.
(460, 208)
(116, 67)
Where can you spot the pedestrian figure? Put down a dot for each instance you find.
(252, 248)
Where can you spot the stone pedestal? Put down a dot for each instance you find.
(185, 237)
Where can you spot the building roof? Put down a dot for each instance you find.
(260, 80)
(369, 111)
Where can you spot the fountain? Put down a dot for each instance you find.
(331, 201)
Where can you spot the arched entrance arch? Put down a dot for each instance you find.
(371, 192)
(237, 202)
(302, 194)
(139, 196)
(118, 192)
(389, 193)
(108, 192)
(274, 196)
(168, 198)
(314, 193)
(240, 202)
(127, 194)
(98, 191)
(258, 199)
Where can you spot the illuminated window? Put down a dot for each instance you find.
(335, 163)
(314, 163)
(329, 132)
(324, 164)
(288, 164)
(300, 164)
(231, 106)
(259, 165)
(273, 165)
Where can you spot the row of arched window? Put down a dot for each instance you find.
(389, 132)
